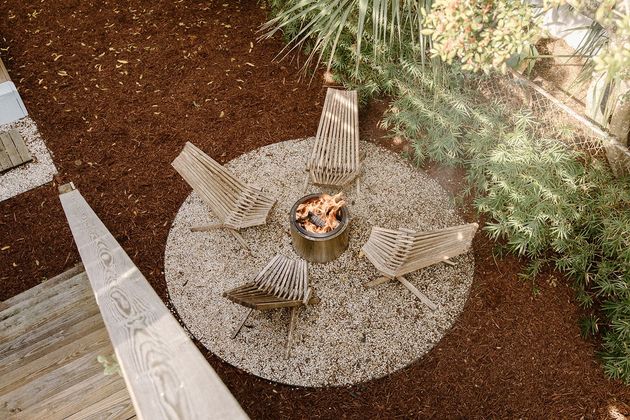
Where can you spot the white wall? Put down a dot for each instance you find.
(564, 23)
(11, 106)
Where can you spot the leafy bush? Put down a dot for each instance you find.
(552, 204)
(482, 34)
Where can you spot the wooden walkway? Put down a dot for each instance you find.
(166, 375)
(50, 337)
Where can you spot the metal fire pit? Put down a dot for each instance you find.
(319, 247)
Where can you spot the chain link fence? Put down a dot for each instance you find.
(555, 119)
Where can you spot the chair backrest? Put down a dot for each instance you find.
(334, 159)
(234, 203)
(216, 186)
(285, 278)
(398, 252)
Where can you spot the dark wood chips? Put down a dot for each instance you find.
(117, 88)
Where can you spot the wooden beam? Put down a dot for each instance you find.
(167, 377)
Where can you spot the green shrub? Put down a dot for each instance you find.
(551, 204)
(482, 34)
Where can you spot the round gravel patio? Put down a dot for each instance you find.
(355, 333)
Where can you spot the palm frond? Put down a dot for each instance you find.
(392, 24)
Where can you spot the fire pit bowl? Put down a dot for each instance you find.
(319, 247)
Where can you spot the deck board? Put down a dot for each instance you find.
(165, 373)
(50, 338)
(13, 150)
(38, 293)
(44, 328)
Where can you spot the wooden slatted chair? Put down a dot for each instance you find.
(235, 204)
(395, 253)
(283, 283)
(334, 159)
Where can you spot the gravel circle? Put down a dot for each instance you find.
(355, 333)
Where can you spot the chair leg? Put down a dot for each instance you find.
(240, 326)
(294, 313)
(305, 188)
(378, 281)
(449, 262)
(207, 227)
(235, 233)
(423, 298)
(241, 240)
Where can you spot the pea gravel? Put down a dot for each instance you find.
(355, 333)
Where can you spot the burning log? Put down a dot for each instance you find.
(320, 214)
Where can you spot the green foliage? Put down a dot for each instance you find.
(379, 28)
(551, 204)
(589, 326)
(481, 34)
(110, 365)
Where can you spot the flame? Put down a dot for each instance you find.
(323, 208)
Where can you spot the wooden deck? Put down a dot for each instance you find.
(50, 337)
(166, 375)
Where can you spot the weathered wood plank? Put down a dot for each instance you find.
(37, 293)
(5, 160)
(10, 150)
(49, 370)
(31, 371)
(165, 374)
(41, 329)
(20, 146)
(4, 74)
(50, 299)
(72, 399)
(34, 393)
(13, 150)
(29, 348)
(44, 313)
(115, 406)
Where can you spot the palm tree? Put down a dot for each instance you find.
(385, 23)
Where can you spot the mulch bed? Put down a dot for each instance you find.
(135, 81)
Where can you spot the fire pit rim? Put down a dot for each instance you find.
(343, 211)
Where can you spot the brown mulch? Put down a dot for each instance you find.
(135, 81)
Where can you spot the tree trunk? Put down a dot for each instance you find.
(620, 120)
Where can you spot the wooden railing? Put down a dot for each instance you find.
(166, 376)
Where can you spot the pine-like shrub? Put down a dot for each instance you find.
(551, 204)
